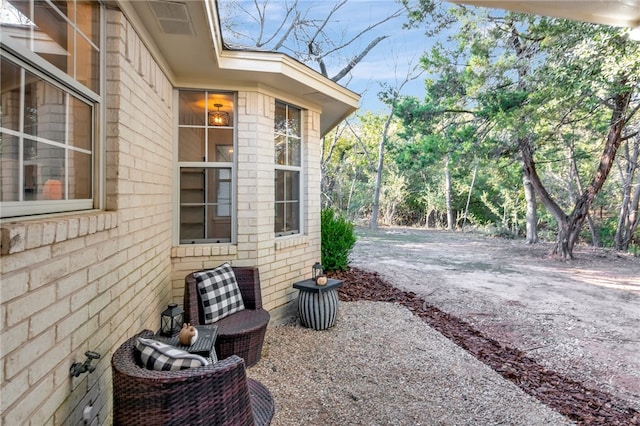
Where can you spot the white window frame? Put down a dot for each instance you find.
(220, 166)
(299, 169)
(28, 61)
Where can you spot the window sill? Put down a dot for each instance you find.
(222, 249)
(291, 241)
(21, 235)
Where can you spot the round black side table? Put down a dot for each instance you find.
(318, 304)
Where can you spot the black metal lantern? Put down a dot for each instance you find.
(316, 271)
(171, 320)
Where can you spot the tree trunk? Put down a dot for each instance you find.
(447, 189)
(328, 182)
(521, 47)
(575, 175)
(473, 181)
(595, 239)
(376, 192)
(532, 210)
(376, 195)
(351, 191)
(569, 225)
(628, 218)
(392, 100)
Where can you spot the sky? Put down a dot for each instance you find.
(388, 62)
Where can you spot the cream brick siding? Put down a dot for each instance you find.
(87, 281)
(79, 282)
(281, 261)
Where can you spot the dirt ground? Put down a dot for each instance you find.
(580, 318)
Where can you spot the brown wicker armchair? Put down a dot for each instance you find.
(216, 394)
(241, 333)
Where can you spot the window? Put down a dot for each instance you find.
(47, 128)
(64, 33)
(288, 169)
(206, 166)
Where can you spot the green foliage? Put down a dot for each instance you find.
(338, 238)
(497, 83)
(494, 103)
(606, 232)
(349, 167)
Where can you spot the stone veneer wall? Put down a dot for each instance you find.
(78, 282)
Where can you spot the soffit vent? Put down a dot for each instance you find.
(172, 17)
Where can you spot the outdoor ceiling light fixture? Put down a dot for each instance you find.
(218, 118)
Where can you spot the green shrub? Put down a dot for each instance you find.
(338, 238)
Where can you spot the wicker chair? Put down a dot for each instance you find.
(217, 394)
(241, 333)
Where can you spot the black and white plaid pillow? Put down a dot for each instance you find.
(219, 293)
(160, 356)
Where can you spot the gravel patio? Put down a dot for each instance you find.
(384, 363)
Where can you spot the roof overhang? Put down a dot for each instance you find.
(185, 38)
(620, 13)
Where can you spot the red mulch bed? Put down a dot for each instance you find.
(570, 398)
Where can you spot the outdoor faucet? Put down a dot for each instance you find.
(77, 368)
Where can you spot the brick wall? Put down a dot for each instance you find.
(79, 282)
(281, 261)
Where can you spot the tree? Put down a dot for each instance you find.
(390, 96)
(444, 123)
(348, 165)
(320, 37)
(628, 167)
(316, 36)
(598, 68)
(566, 74)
